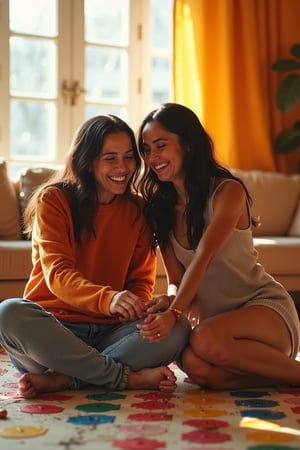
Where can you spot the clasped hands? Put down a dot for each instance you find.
(157, 321)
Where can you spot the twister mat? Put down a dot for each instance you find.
(188, 419)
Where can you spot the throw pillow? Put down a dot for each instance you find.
(10, 212)
(30, 179)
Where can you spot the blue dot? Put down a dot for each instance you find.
(257, 403)
(91, 419)
(263, 414)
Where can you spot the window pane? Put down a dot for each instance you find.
(91, 111)
(106, 75)
(160, 80)
(38, 17)
(161, 20)
(32, 67)
(32, 130)
(106, 21)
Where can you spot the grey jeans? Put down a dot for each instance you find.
(87, 353)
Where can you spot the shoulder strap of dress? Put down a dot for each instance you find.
(226, 180)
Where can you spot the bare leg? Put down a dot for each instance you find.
(243, 348)
(207, 375)
(159, 378)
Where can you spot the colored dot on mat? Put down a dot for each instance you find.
(150, 417)
(22, 431)
(249, 394)
(206, 423)
(41, 409)
(4, 395)
(97, 407)
(91, 419)
(209, 447)
(296, 410)
(292, 400)
(270, 447)
(143, 429)
(152, 404)
(263, 414)
(257, 403)
(106, 396)
(139, 443)
(206, 436)
(270, 436)
(155, 396)
(205, 413)
(10, 385)
(291, 391)
(204, 400)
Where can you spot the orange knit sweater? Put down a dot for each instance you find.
(77, 282)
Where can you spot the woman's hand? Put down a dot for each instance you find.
(157, 326)
(160, 303)
(128, 305)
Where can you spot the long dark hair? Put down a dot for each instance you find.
(199, 165)
(78, 181)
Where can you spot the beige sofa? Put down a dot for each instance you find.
(276, 200)
(15, 251)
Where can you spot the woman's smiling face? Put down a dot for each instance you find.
(114, 167)
(163, 152)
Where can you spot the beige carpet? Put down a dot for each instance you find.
(189, 419)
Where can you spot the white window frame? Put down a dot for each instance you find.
(69, 119)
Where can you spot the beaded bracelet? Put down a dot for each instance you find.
(177, 313)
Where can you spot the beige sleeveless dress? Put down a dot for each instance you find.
(235, 279)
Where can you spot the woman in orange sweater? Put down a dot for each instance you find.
(93, 274)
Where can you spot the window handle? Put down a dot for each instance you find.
(66, 91)
(77, 90)
(71, 92)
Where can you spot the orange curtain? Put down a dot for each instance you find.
(223, 50)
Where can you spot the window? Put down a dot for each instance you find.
(71, 59)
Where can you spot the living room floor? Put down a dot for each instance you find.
(189, 419)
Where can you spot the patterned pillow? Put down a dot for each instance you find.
(10, 228)
(30, 179)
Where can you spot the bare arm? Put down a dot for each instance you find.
(230, 212)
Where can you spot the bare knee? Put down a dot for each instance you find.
(197, 370)
(201, 372)
(210, 346)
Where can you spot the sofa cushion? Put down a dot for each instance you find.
(30, 179)
(10, 211)
(15, 260)
(279, 254)
(275, 199)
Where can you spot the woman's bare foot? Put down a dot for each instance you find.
(33, 384)
(160, 378)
